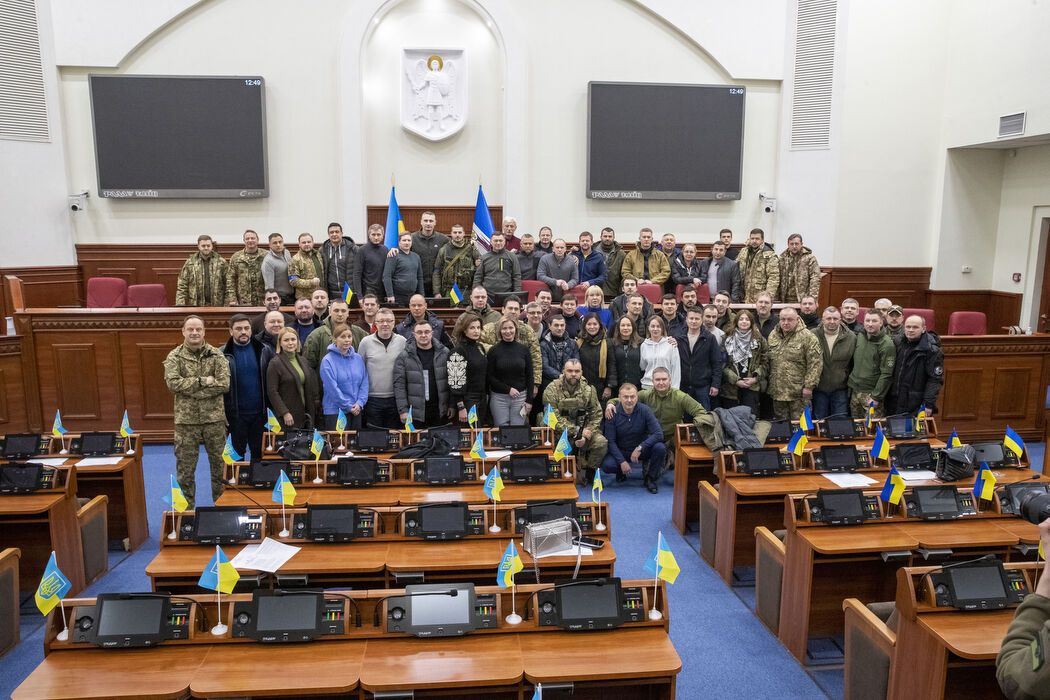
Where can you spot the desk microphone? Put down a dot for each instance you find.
(451, 592)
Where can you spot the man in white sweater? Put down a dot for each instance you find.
(379, 351)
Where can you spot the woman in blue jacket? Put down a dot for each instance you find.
(344, 379)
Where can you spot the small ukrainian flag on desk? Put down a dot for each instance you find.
(984, 484)
(805, 421)
(456, 294)
(1013, 442)
(893, 489)
(494, 484)
(953, 439)
(53, 587)
(798, 442)
(272, 423)
(219, 574)
(564, 447)
(661, 562)
(126, 430)
(477, 450)
(229, 455)
(880, 448)
(283, 491)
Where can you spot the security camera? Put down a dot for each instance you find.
(78, 201)
(769, 204)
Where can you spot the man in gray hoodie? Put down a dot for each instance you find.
(558, 270)
(275, 269)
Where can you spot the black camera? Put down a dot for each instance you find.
(1035, 506)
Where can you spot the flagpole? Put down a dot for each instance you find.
(284, 517)
(172, 535)
(567, 474)
(514, 618)
(655, 614)
(599, 526)
(64, 634)
(219, 628)
(317, 472)
(494, 527)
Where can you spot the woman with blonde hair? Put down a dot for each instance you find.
(292, 385)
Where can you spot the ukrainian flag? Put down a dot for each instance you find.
(893, 489)
(921, 414)
(125, 426)
(348, 294)
(483, 228)
(229, 455)
(456, 295)
(394, 225)
(272, 423)
(57, 429)
(409, 425)
(477, 450)
(550, 418)
(661, 563)
(53, 587)
(340, 422)
(597, 485)
(219, 574)
(564, 447)
(953, 439)
(509, 565)
(870, 416)
(984, 484)
(1013, 442)
(494, 484)
(805, 421)
(175, 497)
(472, 416)
(283, 491)
(880, 448)
(798, 442)
(317, 444)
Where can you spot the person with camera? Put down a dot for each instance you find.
(575, 403)
(1022, 667)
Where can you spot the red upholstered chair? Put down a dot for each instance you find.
(927, 314)
(967, 323)
(106, 292)
(703, 294)
(532, 287)
(147, 295)
(652, 292)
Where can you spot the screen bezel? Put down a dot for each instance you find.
(463, 507)
(532, 506)
(785, 437)
(23, 467)
(977, 446)
(507, 431)
(135, 640)
(376, 434)
(973, 603)
(37, 447)
(448, 430)
(242, 512)
(826, 450)
(344, 463)
(313, 631)
(253, 467)
(917, 494)
(924, 446)
(580, 622)
(432, 460)
(842, 422)
(751, 469)
(314, 508)
(465, 589)
(858, 496)
(514, 461)
(109, 438)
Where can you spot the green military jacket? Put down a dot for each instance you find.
(302, 270)
(759, 272)
(873, 362)
(321, 337)
(838, 360)
(184, 373)
(613, 269)
(244, 280)
(202, 282)
(455, 265)
(572, 405)
(799, 276)
(669, 408)
(1022, 666)
(795, 363)
(758, 367)
(526, 337)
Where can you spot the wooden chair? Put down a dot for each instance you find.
(870, 640)
(9, 599)
(769, 575)
(708, 521)
(94, 536)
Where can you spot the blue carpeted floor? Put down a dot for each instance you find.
(725, 650)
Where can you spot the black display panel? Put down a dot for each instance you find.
(763, 459)
(97, 443)
(937, 499)
(179, 136)
(549, 510)
(527, 466)
(450, 434)
(664, 141)
(21, 445)
(839, 456)
(122, 617)
(219, 522)
(373, 439)
(331, 519)
(780, 431)
(20, 477)
(443, 469)
(842, 504)
(518, 436)
(288, 613)
(977, 583)
(839, 427)
(356, 470)
(914, 454)
(266, 472)
(1016, 493)
(989, 452)
(443, 518)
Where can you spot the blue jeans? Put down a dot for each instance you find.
(702, 394)
(830, 403)
(652, 460)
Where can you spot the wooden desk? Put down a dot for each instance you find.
(254, 670)
(405, 495)
(9, 599)
(692, 464)
(960, 533)
(489, 666)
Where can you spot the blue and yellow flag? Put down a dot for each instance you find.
(509, 565)
(394, 225)
(283, 491)
(537, 692)
(920, 415)
(57, 429)
(550, 418)
(1013, 442)
(797, 443)
(409, 425)
(805, 421)
(869, 416)
(597, 486)
(340, 422)
(472, 416)
(53, 587)
(229, 455)
(564, 447)
(477, 450)
(483, 227)
(317, 444)
(494, 484)
(126, 430)
(219, 574)
(272, 424)
(953, 439)
(348, 294)
(893, 489)
(661, 562)
(984, 484)
(455, 294)
(176, 498)
(880, 447)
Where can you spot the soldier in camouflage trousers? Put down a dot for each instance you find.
(244, 280)
(759, 268)
(202, 279)
(455, 264)
(575, 403)
(795, 365)
(799, 272)
(197, 375)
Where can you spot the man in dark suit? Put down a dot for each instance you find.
(719, 272)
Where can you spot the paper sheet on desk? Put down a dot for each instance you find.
(51, 462)
(570, 552)
(269, 556)
(98, 461)
(491, 455)
(917, 475)
(849, 481)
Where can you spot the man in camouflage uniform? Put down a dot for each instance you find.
(198, 375)
(759, 267)
(455, 264)
(202, 280)
(795, 364)
(873, 361)
(575, 403)
(244, 280)
(799, 272)
(525, 336)
(306, 270)
(614, 255)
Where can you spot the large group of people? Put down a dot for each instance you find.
(610, 368)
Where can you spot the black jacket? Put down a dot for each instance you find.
(263, 355)
(510, 365)
(702, 365)
(408, 323)
(339, 266)
(628, 360)
(409, 389)
(467, 374)
(282, 389)
(368, 269)
(766, 327)
(917, 374)
(728, 277)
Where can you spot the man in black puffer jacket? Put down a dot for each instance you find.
(421, 379)
(919, 370)
(368, 264)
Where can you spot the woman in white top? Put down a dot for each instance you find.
(659, 351)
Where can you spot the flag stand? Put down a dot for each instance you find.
(655, 614)
(547, 442)
(514, 618)
(317, 472)
(482, 476)
(599, 526)
(284, 520)
(271, 441)
(64, 634)
(127, 446)
(219, 628)
(233, 479)
(494, 528)
(62, 442)
(342, 442)
(566, 474)
(173, 534)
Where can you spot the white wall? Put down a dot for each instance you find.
(1026, 185)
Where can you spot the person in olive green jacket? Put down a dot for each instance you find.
(1022, 667)
(646, 262)
(759, 267)
(202, 279)
(872, 367)
(747, 364)
(306, 270)
(321, 337)
(668, 404)
(795, 364)
(244, 280)
(837, 345)
(198, 375)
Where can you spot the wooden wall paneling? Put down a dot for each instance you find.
(446, 217)
(1001, 308)
(961, 393)
(1008, 385)
(906, 286)
(12, 387)
(1004, 309)
(44, 287)
(79, 374)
